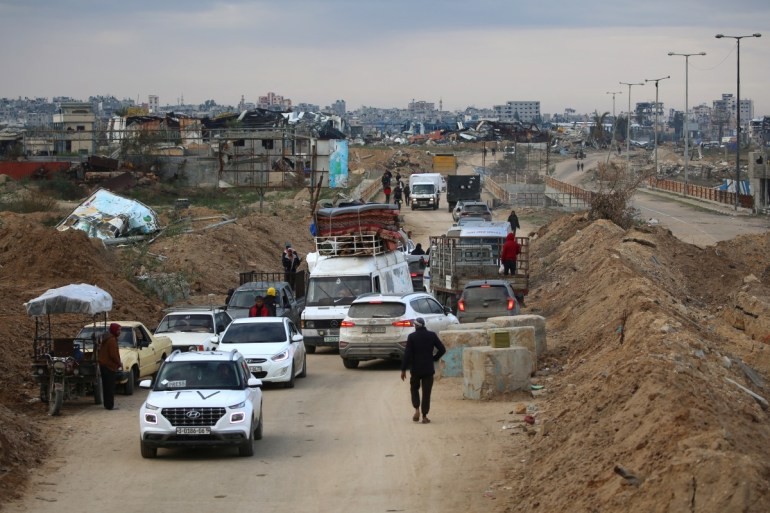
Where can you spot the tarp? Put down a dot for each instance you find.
(76, 298)
(107, 215)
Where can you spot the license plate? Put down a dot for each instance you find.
(255, 368)
(373, 329)
(331, 339)
(193, 431)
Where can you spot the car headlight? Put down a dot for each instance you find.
(283, 355)
(239, 405)
(150, 406)
(59, 366)
(308, 324)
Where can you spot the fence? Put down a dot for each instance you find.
(700, 192)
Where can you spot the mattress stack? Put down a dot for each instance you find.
(358, 230)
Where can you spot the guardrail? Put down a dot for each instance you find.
(581, 194)
(701, 192)
(496, 190)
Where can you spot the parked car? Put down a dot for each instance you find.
(190, 327)
(141, 352)
(287, 303)
(475, 209)
(377, 325)
(482, 299)
(272, 346)
(201, 399)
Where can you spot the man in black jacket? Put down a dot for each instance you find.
(419, 358)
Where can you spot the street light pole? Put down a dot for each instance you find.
(628, 126)
(738, 113)
(614, 118)
(655, 130)
(686, 112)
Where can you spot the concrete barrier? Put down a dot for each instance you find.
(536, 321)
(451, 364)
(489, 373)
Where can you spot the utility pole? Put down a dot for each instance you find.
(628, 126)
(686, 112)
(655, 130)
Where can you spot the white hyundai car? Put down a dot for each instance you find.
(272, 346)
(201, 399)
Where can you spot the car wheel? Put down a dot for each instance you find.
(260, 427)
(350, 364)
(247, 448)
(303, 374)
(129, 386)
(413, 206)
(290, 383)
(147, 451)
(44, 393)
(310, 349)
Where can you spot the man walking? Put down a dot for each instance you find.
(407, 192)
(513, 219)
(419, 358)
(110, 365)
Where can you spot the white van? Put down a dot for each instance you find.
(335, 281)
(425, 190)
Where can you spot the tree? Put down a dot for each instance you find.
(598, 134)
(621, 127)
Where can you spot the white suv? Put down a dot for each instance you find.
(201, 399)
(191, 328)
(377, 325)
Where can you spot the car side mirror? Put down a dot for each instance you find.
(145, 383)
(297, 338)
(214, 340)
(254, 382)
(447, 310)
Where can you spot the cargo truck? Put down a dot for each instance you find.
(445, 163)
(462, 188)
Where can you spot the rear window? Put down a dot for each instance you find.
(491, 293)
(476, 208)
(375, 310)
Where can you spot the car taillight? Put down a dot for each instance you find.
(347, 324)
(414, 275)
(461, 305)
(403, 324)
(511, 303)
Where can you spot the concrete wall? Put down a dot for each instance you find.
(536, 321)
(490, 373)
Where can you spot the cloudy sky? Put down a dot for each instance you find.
(567, 54)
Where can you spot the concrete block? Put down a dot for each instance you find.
(472, 326)
(451, 364)
(536, 321)
(522, 336)
(490, 373)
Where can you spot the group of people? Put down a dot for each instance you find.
(264, 306)
(400, 192)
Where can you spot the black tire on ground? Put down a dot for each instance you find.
(260, 427)
(350, 364)
(247, 448)
(129, 386)
(290, 383)
(54, 406)
(147, 451)
(303, 374)
(310, 349)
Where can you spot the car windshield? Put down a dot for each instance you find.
(245, 298)
(254, 333)
(376, 310)
(126, 338)
(218, 375)
(423, 188)
(485, 293)
(188, 323)
(341, 290)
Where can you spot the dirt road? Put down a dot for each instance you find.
(342, 440)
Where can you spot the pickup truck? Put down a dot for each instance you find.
(289, 300)
(141, 352)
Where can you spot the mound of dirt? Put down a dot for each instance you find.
(641, 377)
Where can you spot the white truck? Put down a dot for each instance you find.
(348, 265)
(425, 190)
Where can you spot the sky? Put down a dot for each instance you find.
(378, 53)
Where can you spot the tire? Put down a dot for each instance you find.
(303, 374)
(260, 427)
(98, 392)
(246, 449)
(310, 349)
(131, 383)
(350, 364)
(54, 406)
(412, 206)
(290, 383)
(44, 393)
(147, 451)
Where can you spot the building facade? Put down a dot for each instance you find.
(526, 112)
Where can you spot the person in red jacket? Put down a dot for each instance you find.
(259, 309)
(511, 250)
